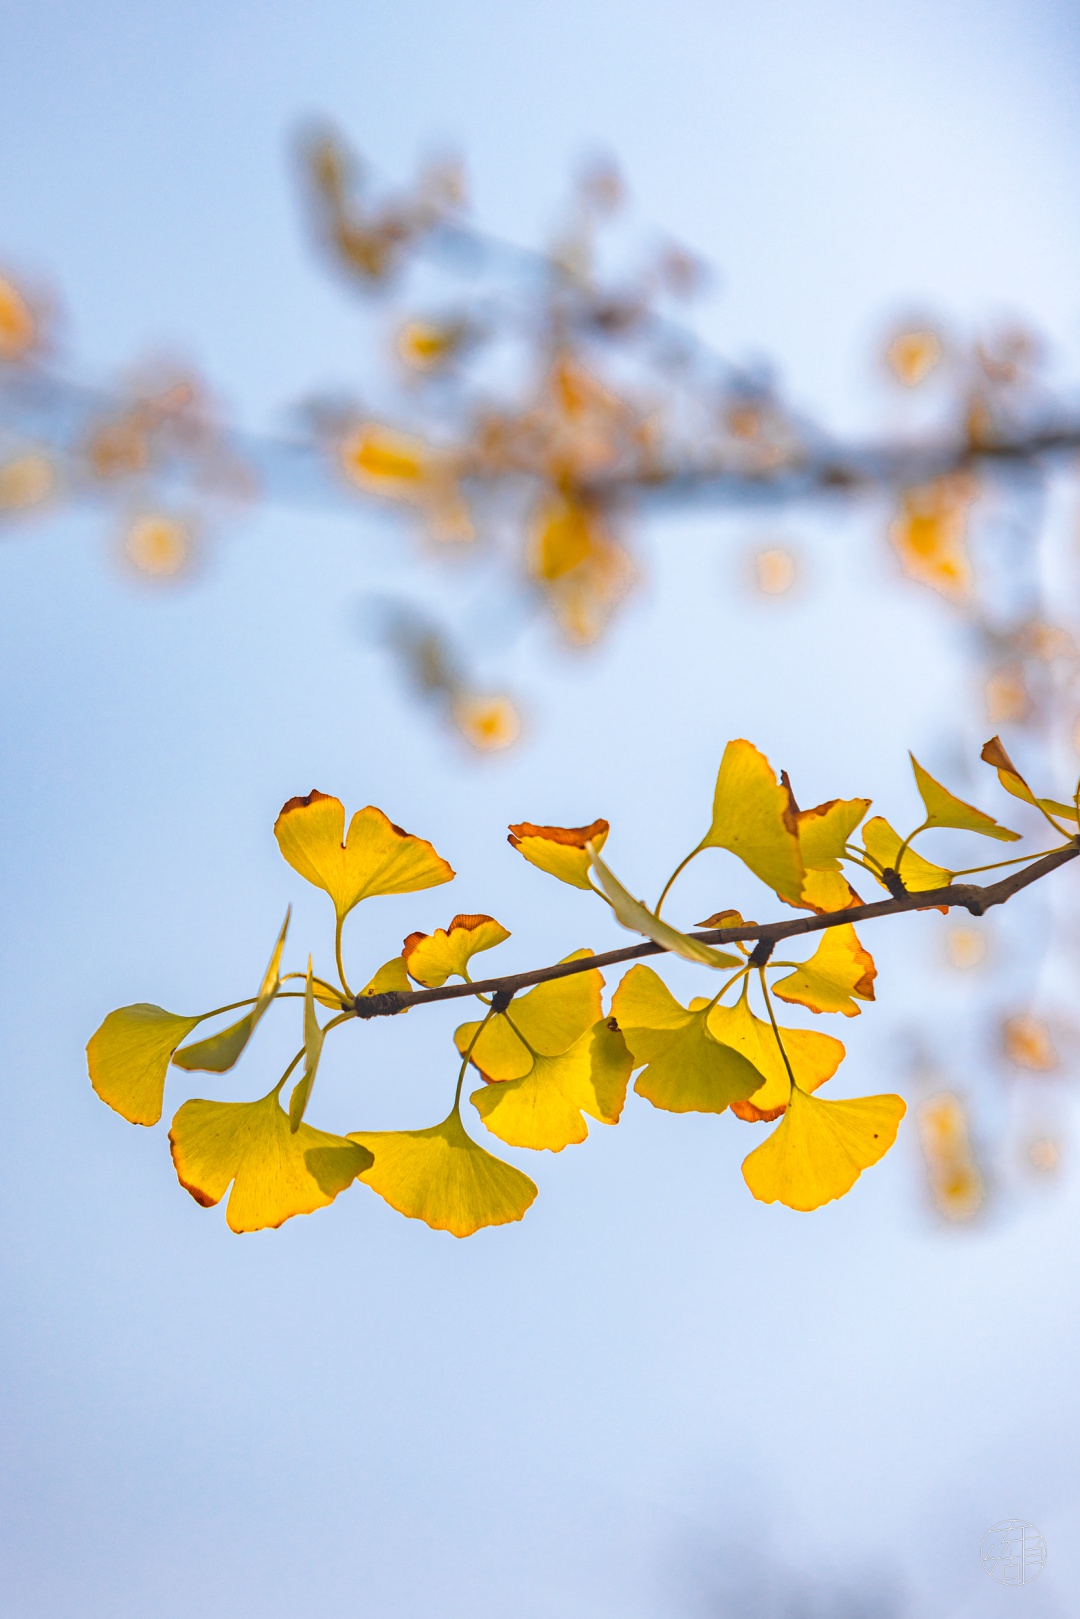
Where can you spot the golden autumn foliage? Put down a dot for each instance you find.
(549, 1056)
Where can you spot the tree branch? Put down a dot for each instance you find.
(967, 896)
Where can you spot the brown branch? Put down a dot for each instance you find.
(967, 896)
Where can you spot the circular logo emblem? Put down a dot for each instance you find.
(1013, 1552)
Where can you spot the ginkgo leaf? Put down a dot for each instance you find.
(825, 891)
(129, 1057)
(918, 874)
(432, 958)
(814, 1057)
(753, 818)
(1013, 782)
(544, 1108)
(559, 850)
(819, 1149)
(390, 977)
(377, 857)
(839, 970)
(275, 1172)
(220, 1051)
(442, 1177)
(689, 1071)
(825, 830)
(313, 1044)
(639, 919)
(945, 809)
(543, 1022)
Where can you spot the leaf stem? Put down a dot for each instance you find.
(465, 1061)
(775, 1027)
(668, 885)
(340, 965)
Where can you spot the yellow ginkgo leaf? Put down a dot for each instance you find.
(1013, 782)
(918, 874)
(753, 818)
(945, 809)
(825, 891)
(635, 916)
(384, 461)
(825, 830)
(129, 1057)
(218, 1053)
(544, 1108)
(432, 958)
(391, 976)
(275, 1172)
(377, 857)
(559, 850)
(689, 1071)
(930, 534)
(18, 328)
(819, 1149)
(442, 1177)
(544, 1022)
(814, 1057)
(839, 970)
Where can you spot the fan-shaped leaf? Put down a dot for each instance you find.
(377, 857)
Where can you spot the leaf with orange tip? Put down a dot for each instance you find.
(635, 916)
(442, 1177)
(839, 972)
(823, 834)
(544, 1022)
(432, 958)
(814, 1057)
(377, 857)
(819, 1149)
(754, 819)
(275, 1172)
(1013, 782)
(559, 850)
(544, 1108)
(688, 1070)
(945, 809)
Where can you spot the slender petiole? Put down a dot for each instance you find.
(465, 1061)
(668, 885)
(340, 966)
(1018, 860)
(775, 1028)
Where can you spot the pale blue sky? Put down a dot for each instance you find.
(654, 1397)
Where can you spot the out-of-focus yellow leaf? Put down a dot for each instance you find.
(425, 345)
(1028, 1044)
(883, 845)
(384, 461)
(313, 1044)
(544, 1108)
(561, 851)
(377, 857)
(956, 1184)
(547, 1019)
(432, 958)
(18, 328)
(775, 570)
(839, 970)
(944, 809)
(689, 1070)
(275, 1172)
(26, 481)
(488, 724)
(753, 817)
(814, 1057)
(158, 545)
(561, 536)
(913, 354)
(819, 1149)
(218, 1053)
(1006, 694)
(442, 1177)
(930, 535)
(1013, 782)
(129, 1057)
(635, 916)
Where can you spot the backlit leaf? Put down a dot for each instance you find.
(442, 1177)
(639, 919)
(377, 857)
(944, 809)
(1013, 782)
(391, 976)
(824, 831)
(129, 1057)
(218, 1053)
(689, 1071)
(819, 1149)
(930, 535)
(313, 1044)
(559, 850)
(275, 1172)
(548, 1019)
(544, 1108)
(814, 1057)
(432, 958)
(753, 818)
(838, 972)
(883, 845)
